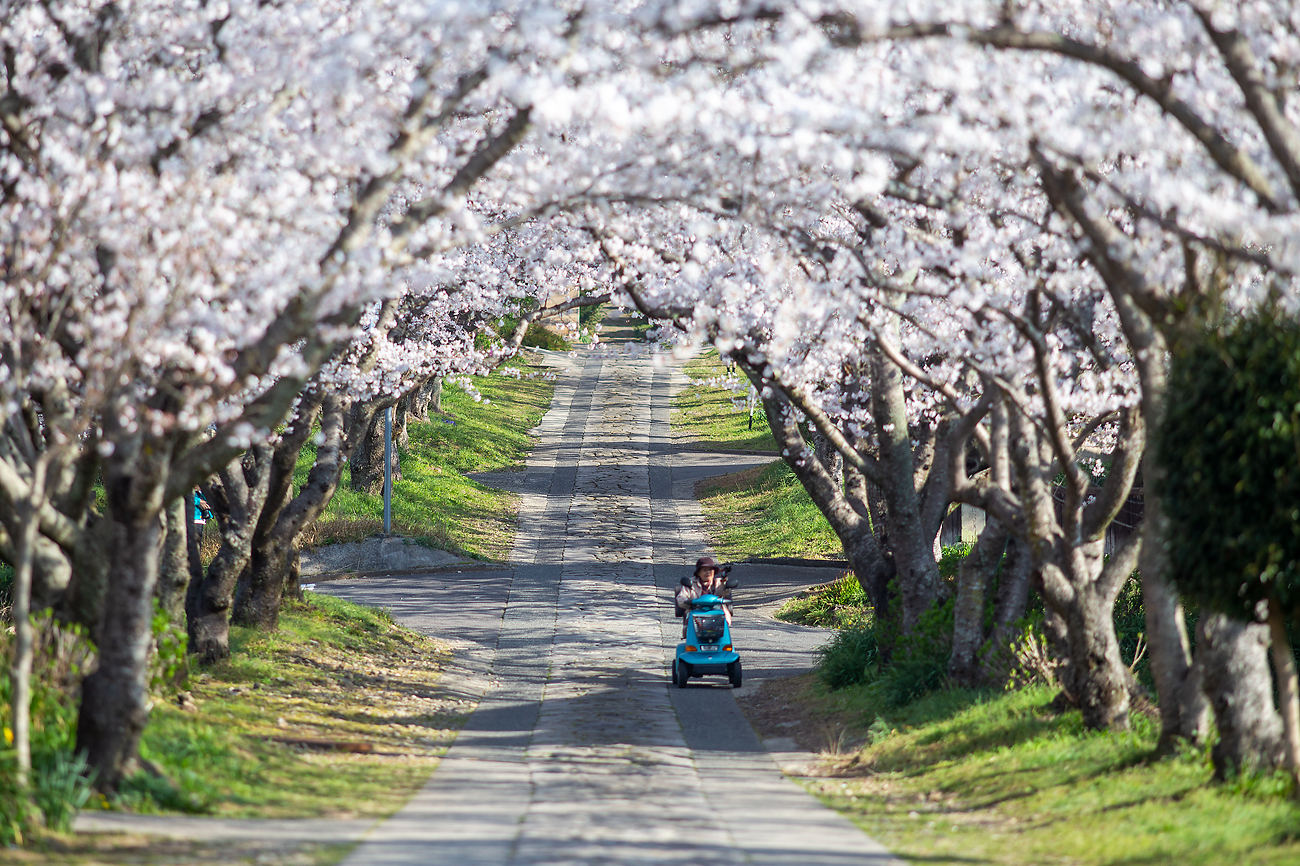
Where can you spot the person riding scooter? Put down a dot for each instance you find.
(709, 579)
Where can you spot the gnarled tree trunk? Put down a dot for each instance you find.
(237, 502)
(974, 575)
(115, 700)
(1097, 679)
(367, 460)
(1240, 690)
(1009, 606)
(911, 533)
(422, 397)
(845, 508)
(275, 552)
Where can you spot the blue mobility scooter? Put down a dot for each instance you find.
(707, 648)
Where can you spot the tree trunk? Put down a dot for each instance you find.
(828, 454)
(401, 436)
(1288, 692)
(1009, 607)
(1184, 712)
(174, 564)
(852, 525)
(868, 555)
(367, 460)
(83, 603)
(293, 575)
(435, 396)
(912, 545)
(51, 573)
(425, 397)
(257, 600)
(1097, 679)
(1240, 691)
(973, 577)
(238, 504)
(115, 699)
(24, 639)
(275, 550)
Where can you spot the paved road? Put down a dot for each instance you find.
(579, 752)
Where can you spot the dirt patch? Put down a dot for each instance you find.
(790, 707)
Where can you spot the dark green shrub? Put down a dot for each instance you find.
(851, 657)
(912, 677)
(920, 662)
(951, 557)
(1231, 442)
(1130, 628)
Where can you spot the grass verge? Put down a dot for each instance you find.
(764, 511)
(962, 777)
(712, 409)
(434, 502)
(336, 714)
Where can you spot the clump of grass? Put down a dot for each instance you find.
(838, 604)
(538, 336)
(849, 658)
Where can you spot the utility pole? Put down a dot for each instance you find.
(388, 471)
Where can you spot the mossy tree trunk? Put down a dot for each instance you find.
(115, 700)
(174, 567)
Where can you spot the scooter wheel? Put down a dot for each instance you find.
(683, 673)
(734, 674)
(674, 669)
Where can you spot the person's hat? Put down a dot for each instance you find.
(705, 562)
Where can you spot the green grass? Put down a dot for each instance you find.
(714, 414)
(764, 512)
(992, 777)
(434, 501)
(838, 604)
(334, 673)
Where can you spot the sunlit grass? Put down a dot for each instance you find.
(712, 409)
(434, 501)
(765, 512)
(965, 776)
(838, 604)
(335, 673)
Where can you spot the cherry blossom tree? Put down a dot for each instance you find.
(199, 205)
(1163, 132)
